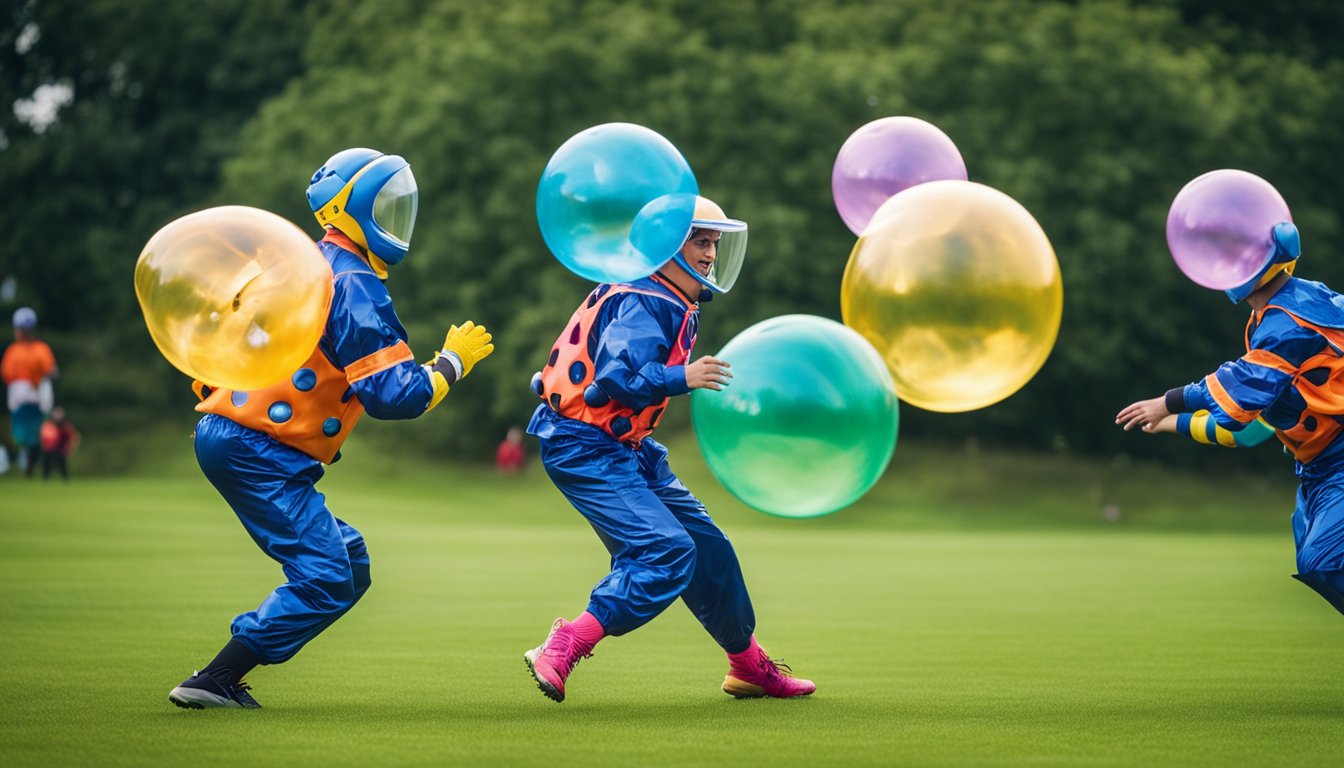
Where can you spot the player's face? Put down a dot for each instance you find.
(701, 249)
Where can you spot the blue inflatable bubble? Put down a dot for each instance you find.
(615, 202)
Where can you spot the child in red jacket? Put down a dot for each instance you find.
(59, 438)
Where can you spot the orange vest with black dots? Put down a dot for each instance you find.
(313, 410)
(566, 383)
(1320, 381)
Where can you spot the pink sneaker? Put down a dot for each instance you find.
(551, 662)
(752, 674)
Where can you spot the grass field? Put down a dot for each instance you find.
(973, 610)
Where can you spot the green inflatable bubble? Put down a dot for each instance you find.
(807, 424)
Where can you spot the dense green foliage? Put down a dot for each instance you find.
(159, 94)
(1091, 114)
(948, 621)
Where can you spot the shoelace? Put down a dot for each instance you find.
(775, 667)
(567, 652)
(240, 692)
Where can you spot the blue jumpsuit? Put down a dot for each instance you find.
(271, 485)
(1283, 355)
(663, 543)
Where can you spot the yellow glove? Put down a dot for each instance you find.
(463, 348)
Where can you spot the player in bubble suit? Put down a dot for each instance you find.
(1289, 378)
(624, 353)
(263, 450)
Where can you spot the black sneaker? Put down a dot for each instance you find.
(202, 691)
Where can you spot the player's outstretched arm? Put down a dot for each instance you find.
(1201, 427)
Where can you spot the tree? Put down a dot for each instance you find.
(156, 96)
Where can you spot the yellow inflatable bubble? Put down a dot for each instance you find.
(234, 296)
(957, 287)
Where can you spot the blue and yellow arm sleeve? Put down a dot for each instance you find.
(1202, 428)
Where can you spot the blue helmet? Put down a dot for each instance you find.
(25, 319)
(369, 196)
(1282, 257)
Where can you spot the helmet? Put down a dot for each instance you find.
(369, 196)
(25, 319)
(1287, 246)
(731, 249)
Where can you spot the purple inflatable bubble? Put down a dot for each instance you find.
(1219, 227)
(887, 156)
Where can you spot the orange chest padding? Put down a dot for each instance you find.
(313, 410)
(1320, 381)
(567, 380)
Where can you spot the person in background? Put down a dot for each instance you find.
(510, 456)
(59, 440)
(28, 368)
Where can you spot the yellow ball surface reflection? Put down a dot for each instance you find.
(957, 287)
(234, 296)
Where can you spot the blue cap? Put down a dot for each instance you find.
(25, 319)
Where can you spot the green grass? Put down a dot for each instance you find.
(975, 609)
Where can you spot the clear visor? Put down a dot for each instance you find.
(730, 252)
(395, 206)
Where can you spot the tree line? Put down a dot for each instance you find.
(1091, 114)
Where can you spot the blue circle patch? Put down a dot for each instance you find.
(280, 412)
(595, 397)
(304, 379)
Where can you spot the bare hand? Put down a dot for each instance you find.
(1167, 424)
(1145, 414)
(708, 373)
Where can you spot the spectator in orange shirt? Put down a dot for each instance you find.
(27, 368)
(59, 438)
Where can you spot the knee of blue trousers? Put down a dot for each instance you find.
(333, 596)
(1328, 584)
(675, 562)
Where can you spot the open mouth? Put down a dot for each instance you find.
(704, 265)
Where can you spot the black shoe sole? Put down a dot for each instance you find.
(542, 685)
